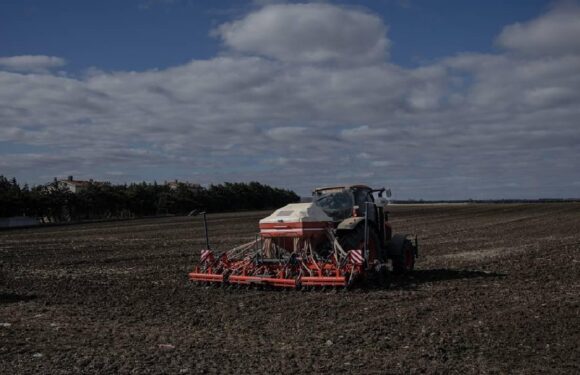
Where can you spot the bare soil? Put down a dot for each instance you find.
(496, 290)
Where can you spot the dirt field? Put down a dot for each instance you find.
(497, 290)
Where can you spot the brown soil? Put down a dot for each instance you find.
(497, 289)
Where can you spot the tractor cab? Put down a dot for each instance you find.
(354, 207)
(338, 203)
(343, 202)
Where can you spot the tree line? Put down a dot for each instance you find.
(56, 203)
(498, 201)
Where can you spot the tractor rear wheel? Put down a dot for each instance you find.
(405, 261)
(355, 240)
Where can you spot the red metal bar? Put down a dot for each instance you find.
(285, 283)
(197, 276)
(274, 281)
(323, 281)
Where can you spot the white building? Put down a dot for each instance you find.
(75, 186)
(17, 221)
(173, 185)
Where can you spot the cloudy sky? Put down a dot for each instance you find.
(438, 100)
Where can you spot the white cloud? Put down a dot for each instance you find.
(309, 33)
(31, 63)
(287, 133)
(555, 33)
(364, 132)
(381, 163)
(471, 125)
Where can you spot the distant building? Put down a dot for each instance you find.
(17, 221)
(174, 185)
(76, 186)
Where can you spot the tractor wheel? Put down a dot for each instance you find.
(355, 239)
(405, 262)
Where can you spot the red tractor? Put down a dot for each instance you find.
(341, 237)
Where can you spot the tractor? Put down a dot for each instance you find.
(340, 238)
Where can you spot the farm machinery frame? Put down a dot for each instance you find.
(339, 239)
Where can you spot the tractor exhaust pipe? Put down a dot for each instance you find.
(366, 248)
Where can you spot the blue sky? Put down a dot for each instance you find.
(142, 34)
(437, 99)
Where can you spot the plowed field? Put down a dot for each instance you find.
(496, 290)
